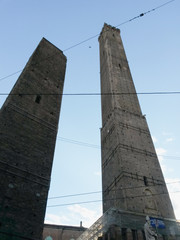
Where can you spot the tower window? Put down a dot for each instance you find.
(124, 233)
(38, 99)
(134, 234)
(145, 181)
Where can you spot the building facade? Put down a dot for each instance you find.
(62, 232)
(28, 128)
(132, 178)
(133, 185)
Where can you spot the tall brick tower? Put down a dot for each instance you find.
(28, 128)
(132, 179)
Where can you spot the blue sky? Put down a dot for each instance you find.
(153, 51)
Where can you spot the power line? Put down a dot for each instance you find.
(79, 143)
(110, 199)
(85, 144)
(90, 193)
(66, 204)
(74, 195)
(92, 94)
(142, 14)
(95, 192)
(129, 20)
(10, 75)
(162, 5)
(96, 35)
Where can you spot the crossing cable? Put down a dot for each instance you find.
(89, 193)
(95, 192)
(110, 199)
(85, 202)
(90, 145)
(92, 37)
(92, 94)
(28, 202)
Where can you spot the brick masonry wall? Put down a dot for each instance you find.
(132, 179)
(28, 128)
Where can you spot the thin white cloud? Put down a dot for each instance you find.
(75, 214)
(160, 152)
(87, 216)
(154, 139)
(97, 173)
(169, 139)
(56, 219)
(174, 192)
(166, 133)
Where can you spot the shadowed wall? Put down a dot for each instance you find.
(28, 128)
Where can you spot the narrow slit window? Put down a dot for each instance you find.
(134, 234)
(38, 99)
(145, 181)
(124, 233)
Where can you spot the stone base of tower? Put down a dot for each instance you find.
(122, 225)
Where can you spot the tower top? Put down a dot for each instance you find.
(108, 27)
(45, 41)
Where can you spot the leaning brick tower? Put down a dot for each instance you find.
(132, 178)
(28, 128)
(133, 185)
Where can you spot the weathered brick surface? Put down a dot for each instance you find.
(131, 174)
(28, 127)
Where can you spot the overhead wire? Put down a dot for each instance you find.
(99, 200)
(85, 144)
(90, 193)
(141, 15)
(92, 94)
(96, 35)
(95, 201)
(91, 145)
(10, 75)
(110, 199)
